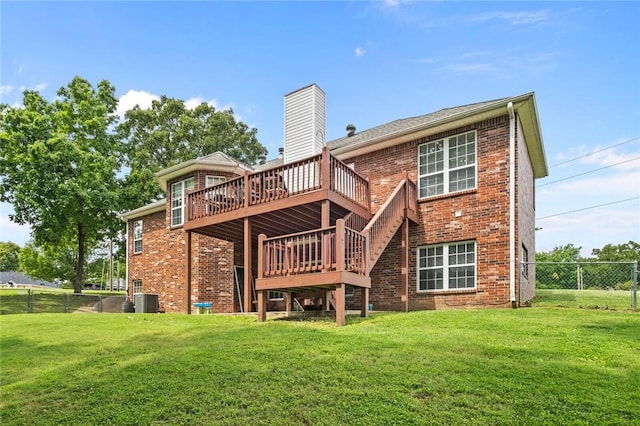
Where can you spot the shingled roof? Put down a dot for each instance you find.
(406, 124)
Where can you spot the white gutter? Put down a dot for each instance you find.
(512, 203)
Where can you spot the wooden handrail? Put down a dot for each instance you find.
(321, 171)
(385, 222)
(336, 248)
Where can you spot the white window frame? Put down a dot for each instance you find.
(276, 295)
(137, 236)
(213, 180)
(178, 192)
(524, 263)
(438, 165)
(137, 286)
(441, 263)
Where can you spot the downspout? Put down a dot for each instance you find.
(512, 203)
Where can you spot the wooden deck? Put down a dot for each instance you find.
(308, 224)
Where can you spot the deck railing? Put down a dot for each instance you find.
(321, 171)
(336, 248)
(386, 221)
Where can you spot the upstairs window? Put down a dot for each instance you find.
(215, 180)
(137, 236)
(178, 192)
(447, 266)
(447, 165)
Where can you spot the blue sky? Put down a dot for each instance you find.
(377, 62)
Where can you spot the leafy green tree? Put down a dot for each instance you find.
(566, 253)
(627, 252)
(58, 165)
(557, 275)
(50, 262)
(9, 256)
(169, 133)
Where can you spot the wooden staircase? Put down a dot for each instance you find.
(386, 222)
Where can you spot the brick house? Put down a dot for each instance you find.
(429, 212)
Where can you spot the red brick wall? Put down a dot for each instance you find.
(484, 218)
(162, 264)
(525, 219)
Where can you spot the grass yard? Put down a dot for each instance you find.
(47, 300)
(619, 300)
(497, 366)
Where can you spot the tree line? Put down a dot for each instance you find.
(565, 268)
(71, 166)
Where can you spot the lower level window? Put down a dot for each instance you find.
(447, 266)
(137, 286)
(276, 295)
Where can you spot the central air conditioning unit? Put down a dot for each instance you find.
(146, 303)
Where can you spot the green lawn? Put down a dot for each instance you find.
(47, 300)
(497, 366)
(584, 299)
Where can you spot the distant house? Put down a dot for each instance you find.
(429, 212)
(20, 279)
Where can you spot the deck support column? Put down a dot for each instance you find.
(262, 306)
(340, 305)
(188, 272)
(248, 272)
(364, 304)
(288, 302)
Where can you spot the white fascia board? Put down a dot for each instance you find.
(524, 105)
(154, 207)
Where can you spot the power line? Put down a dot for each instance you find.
(595, 152)
(587, 208)
(587, 172)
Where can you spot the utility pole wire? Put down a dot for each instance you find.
(587, 208)
(595, 152)
(587, 172)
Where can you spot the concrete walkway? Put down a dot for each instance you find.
(110, 304)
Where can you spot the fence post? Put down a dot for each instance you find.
(634, 289)
(29, 301)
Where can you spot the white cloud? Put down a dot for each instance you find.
(135, 97)
(471, 68)
(514, 18)
(40, 87)
(5, 89)
(359, 51)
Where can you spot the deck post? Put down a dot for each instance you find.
(248, 272)
(364, 302)
(325, 167)
(262, 306)
(340, 245)
(188, 271)
(340, 305)
(288, 302)
(246, 197)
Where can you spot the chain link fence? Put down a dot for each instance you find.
(594, 285)
(31, 301)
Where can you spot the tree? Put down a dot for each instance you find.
(627, 252)
(50, 262)
(557, 275)
(169, 133)
(566, 253)
(9, 256)
(58, 165)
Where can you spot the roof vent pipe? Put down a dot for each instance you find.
(351, 130)
(262, 159)
(280, 152)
